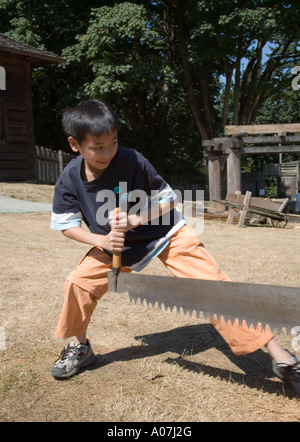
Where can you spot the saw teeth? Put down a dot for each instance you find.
(134, 299)
(161, 306)
(207, 315)
(148, 303)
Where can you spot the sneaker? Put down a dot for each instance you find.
(289, 373)
(71, 359)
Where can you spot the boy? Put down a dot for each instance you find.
(103, 177)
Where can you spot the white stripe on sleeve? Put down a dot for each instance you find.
(64, 221)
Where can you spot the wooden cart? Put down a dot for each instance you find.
(271, 209)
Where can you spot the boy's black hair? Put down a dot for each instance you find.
(92, 116)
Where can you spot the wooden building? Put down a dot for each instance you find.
(17, 150)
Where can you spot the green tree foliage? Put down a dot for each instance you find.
(228, 39)
(176, 71)
(125, 54)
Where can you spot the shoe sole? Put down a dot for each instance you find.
(89, 361)
(292, 385)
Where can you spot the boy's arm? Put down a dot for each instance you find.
(149, 214)
(122, 222)
(113, 241)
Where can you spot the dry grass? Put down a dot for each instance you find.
(41, 193)
(151, 365)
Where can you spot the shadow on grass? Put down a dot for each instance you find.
(194, 339)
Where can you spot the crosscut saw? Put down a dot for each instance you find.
(275, 306)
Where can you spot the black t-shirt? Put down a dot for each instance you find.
(129, 182)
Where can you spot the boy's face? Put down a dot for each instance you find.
(97, 152)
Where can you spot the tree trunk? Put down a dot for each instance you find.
(188, 84)
(206, 99)
(228, 73)
(237, 86)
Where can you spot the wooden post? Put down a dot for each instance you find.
(214, 177)
(60, 161)
(234, 176)
(244, 212)
(232, 212)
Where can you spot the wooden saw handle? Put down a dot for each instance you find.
(116, 261)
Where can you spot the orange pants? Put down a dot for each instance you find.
(185, 257)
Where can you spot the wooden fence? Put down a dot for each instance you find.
(187, 182)
(50, 163)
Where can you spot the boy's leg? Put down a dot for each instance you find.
(76, 312)
(186, 257)
(84, 287)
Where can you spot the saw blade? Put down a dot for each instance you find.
(275, 306)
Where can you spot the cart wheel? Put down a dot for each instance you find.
(279, 223)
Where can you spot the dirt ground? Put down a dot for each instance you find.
(152, 366)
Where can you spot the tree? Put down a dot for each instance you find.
(267, 48)
(177, 71)
(125, 53)
(209, 40)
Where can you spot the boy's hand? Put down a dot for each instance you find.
(121, 222)
(116, 237)
(114, 241)
(118, 220)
